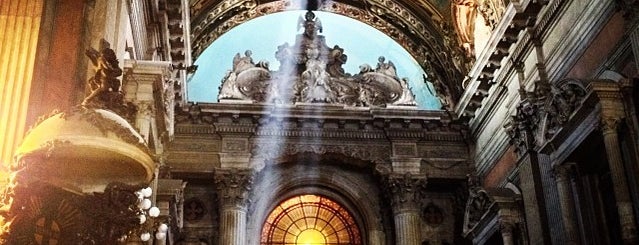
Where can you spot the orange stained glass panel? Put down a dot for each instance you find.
(310, 220)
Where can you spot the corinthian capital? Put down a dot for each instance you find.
(562, 171)
(233, 186)
(609, 124)
(405, 191)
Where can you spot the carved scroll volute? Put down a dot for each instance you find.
(233, 187)
(405, 191)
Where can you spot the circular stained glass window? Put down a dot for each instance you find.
(310, 220)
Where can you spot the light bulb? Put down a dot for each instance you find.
(154, 212)
(147, 191)
(145, 237)
(145, 204)
(142, 218)
(163, 228)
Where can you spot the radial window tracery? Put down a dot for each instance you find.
(310, 220)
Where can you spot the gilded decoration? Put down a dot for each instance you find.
(492, 11)
(430, 39)
(105, 86)
(311, 72)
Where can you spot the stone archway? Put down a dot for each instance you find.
(352, 190)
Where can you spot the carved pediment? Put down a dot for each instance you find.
(311, 72)
(486, 204)
(543, 112)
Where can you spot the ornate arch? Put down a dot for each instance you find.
(430, 40)
(354, 192)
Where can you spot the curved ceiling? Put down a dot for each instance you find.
(422, 27)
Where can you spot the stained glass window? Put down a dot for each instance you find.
(310, 220)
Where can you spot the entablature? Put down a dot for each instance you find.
(263, 134)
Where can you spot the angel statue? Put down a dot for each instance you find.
(107, 71)
(311, 25)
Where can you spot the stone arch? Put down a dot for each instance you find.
(429, 40)
(354, 190)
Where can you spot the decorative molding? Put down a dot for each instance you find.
(378, 154)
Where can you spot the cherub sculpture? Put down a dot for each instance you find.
(107, 71)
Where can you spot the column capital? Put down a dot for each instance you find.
(506, 227)
(233, 186)
(609, 124)
(405, 191)
(562, 171)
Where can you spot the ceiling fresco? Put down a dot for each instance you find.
(422, 27)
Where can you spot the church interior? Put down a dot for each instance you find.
(363, 122)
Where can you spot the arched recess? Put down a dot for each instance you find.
(310, 219)
(424, 34)
(346, 33)
(353, 189)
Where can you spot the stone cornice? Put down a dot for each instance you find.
(318, 121)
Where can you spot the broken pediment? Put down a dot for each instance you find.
(311, 72)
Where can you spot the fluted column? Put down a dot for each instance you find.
(404, 191)
(506, 229)
(566, 201)
(233, 188)
(609, 127)
(19, 25)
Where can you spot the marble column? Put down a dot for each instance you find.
(19, 25)
(566, 201)
(404, 191)
(233, 188)
(506, 229)
(609, 127)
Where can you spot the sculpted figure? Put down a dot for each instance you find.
(464, 12)
(387, 68)
(242, 63)
(315, 77)
(106, 72)
(337, 58)
(311, 25)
